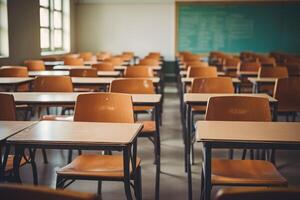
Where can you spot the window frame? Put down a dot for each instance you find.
(4, 43)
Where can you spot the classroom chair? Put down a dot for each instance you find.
(21, 192)
(105, 66)
(266, 61)
(86, 56)
(35, 65)
(15, 71)
(101, 56)
(241, 172)
(287, 92)
(74, 61)
(258, 193)
(101, 107)
(138, 72)
(116, 61)
(149, 62)
(197, 72)
(8, 113)
(84, 73)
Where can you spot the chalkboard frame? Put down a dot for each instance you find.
(229, 2)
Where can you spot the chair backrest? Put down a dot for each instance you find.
(103, 56)
(105, 66)
(116, 61)
(74, 61)
(7, 107)
(104, 107)
(35, 65)
(132, 86)
(149, 61)
(83, 72)
(273, 72)
(86, 56)
(202, 72)
(21, 192)
(258, 193)
(196, 64)
(238, 108)
(250, 66)
(232, 62)
(138, 72)
(71, 55)
(266, 61)
(190, 57)
(212, 85)
(53, 84)
(13, 71)
(287, 92)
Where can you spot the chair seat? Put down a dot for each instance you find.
(245, 172)
(10, 163)
(149, 126)
(57, 118)
(92, 165)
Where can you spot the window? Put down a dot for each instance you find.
(4, 50)
(55, 26)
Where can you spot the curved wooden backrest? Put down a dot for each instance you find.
(212, 85)
(138, 72)
(35, 65)
(132, 86)
(105, 66)
(232, 62)
(116, 61)
(154, 54)
(74, 61)
(149, 61)
(86, 56)
(7, 107)
(83, 72)
(13, 71)
(196, 64)
(152, 57)
(130, 53)
(267, 61)
(22, 192)
(190, 57)
(194, 72)
(238, 108)
(258, 193)
(287, 92)
(273, 72)
(53, 84)
(71, 55)
(103, 56)
(104, 107)
(250, 66)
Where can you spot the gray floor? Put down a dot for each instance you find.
(173, 179)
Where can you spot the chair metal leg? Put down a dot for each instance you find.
(45, 156)
(244, 154)
(70, 155)
(99, 189)
(33, 166)
(138, 184)
(60, 182)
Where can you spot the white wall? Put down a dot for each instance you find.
(117, 27)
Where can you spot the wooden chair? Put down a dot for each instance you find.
(21, 192)
(271, 72)
(116, 61)
(250, 66)
(74, 61)
(241, 172)
(53, 84)
(8, 113)
(266, 61)
(15, 71)
(86, 56)
(83, 72)
(258, 193)
(138, 72)
(149, 62)
(35, 65)
(105, 66)
(198, 72)
(101, 107)
(287, 92)
(101, 56)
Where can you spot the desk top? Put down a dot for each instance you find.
(262, 80)
(14, 80)
(247, 73)
(109, 73)
(184, 73)
(67, 73)
(248, 132)
(204, 97)
(189, 80)
(77, 133)
(63, 98)
(9, 128)
(53, 63)
(92, 80)
(69, 67)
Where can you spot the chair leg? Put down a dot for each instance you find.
(193, 153)
(70, 154)
(230, 154)
(138, 184)
(157, 181)
(202, 186)
(244, 154)
(45, 156)
(99, 189)
(60, 182)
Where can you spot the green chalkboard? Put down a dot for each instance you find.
(235, 27)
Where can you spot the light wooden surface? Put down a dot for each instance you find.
(77, 133)
(262, 132)
(189, 80)
(9, 128)
(109, 73)
(184, 73)
(14, 80)
(69, 67)
(53, 63)
(48, 73)
(92, 62)
(204, 97)
(92, 80)
(262, 80)
(246, 73)
(226, 68)
(64, 98)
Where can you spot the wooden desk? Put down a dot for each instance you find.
(109, 74)
(67, 73)
(13, 82)
(8, 129)
(91, 81)
(193, 99)
(257, 82)
(79, 135)
(247, 74)
(69, 67)
(184, 73)
(244, 135)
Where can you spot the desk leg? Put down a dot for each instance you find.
(126, 158)
(17, 159)
(157, 152)
(188, 150)
(33, 166)
(3, 163)
(207, 171)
